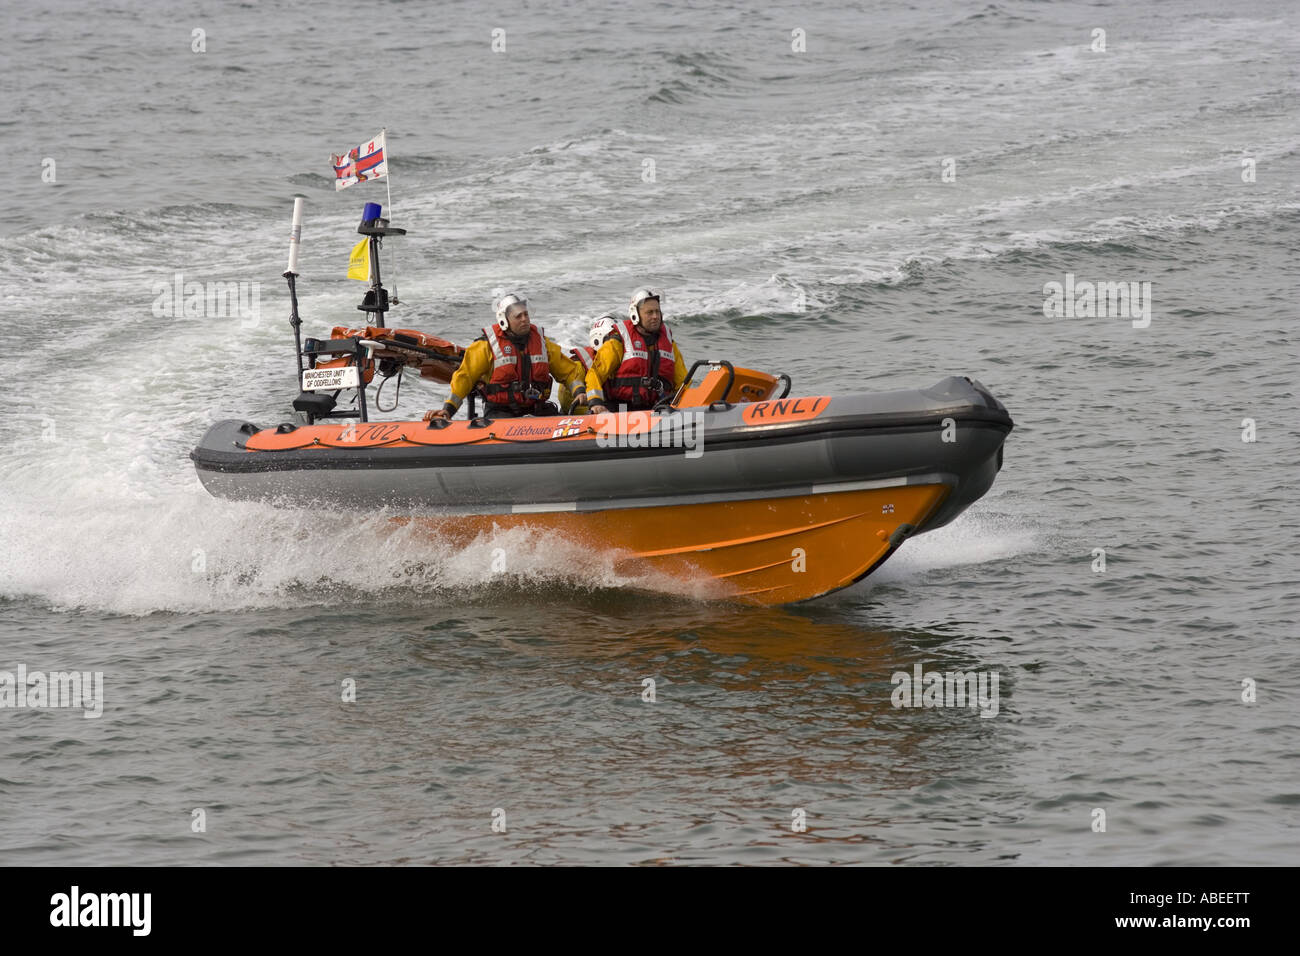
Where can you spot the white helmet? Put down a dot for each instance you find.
(503, 306)
(601, 328)
(639, 296)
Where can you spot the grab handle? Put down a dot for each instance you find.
(731, 377)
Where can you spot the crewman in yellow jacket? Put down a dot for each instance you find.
(584, 355)
(639, 365)
(512, 365)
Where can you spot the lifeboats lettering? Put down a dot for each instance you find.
(532, 431)
(785, 410)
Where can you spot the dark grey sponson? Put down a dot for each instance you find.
(861, 440)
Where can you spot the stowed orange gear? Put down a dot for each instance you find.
(429, 368)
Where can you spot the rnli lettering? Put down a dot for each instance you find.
(785, 410)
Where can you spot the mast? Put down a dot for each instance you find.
(375, 227)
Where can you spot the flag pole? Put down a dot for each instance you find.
(388, 175)
(388, 184)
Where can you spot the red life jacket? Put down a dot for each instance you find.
(584, 355)
(644, 378)
(511, 377)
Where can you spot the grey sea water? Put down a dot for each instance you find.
(863, 196)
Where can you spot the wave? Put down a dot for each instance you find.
(701, 74)
(182, 551)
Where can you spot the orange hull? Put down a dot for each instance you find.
(761, 551)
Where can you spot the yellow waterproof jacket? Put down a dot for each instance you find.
(563, 396)
(476, 368)
(610, 357)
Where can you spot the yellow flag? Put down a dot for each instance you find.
(359, 261)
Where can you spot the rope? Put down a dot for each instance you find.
(397, 397)
(317, 443)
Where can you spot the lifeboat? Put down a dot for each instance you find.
(736, 488)
(772, 500)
